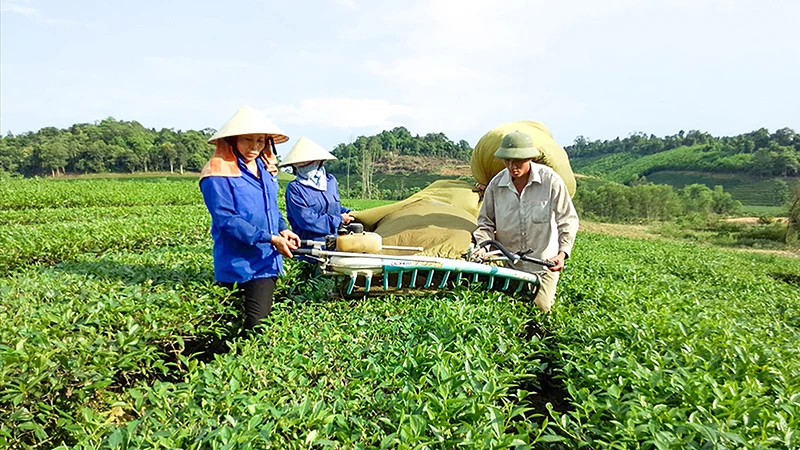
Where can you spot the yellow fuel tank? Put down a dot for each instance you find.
(366, 242)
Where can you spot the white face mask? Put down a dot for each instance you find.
(312, 175)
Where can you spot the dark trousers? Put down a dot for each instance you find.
(257, 299)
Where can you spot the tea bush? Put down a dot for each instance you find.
(114, 335)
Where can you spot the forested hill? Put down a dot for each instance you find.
(759, 153)
(399, 142)
(122, 146)
(107, 146)
(114, 145)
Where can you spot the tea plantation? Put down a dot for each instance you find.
(113, 335)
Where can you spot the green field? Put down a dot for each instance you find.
(748, 190)
(765, 211)
(621, 167)
(114, 335)
(602, 165)
(590, 183)
(662, 168)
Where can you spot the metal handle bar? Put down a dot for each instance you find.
(513, 257)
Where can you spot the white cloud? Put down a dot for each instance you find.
(340, 113)
(459, 62)
(471, 26)
(424, 71)
(16, 8)
(347, 4)
(186, 68)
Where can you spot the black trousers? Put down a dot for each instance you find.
(257, 299)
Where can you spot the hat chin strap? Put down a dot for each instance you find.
(269, 153)
(271, 156)
(272, 151)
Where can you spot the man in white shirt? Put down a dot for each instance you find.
(527, 207)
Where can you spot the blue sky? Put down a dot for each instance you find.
(332, 70)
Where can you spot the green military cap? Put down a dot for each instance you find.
(517, 145)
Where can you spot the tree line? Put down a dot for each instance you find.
(109, 145)
(650, 202)
(758, 152)
(118, 146)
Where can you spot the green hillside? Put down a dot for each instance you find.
(669, 167)
(621, 167)
(747, 189)
(758, 168)
(601, 165)
(756, 153)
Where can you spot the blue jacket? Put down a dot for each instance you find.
(244, 217)
(312, 213)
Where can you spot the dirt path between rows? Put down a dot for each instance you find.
(622, 230)
(644, 232)
(754, 220)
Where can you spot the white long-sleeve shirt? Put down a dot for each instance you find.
(541, 218)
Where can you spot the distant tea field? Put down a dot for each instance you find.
(748, 190)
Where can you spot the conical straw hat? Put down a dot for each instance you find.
(306, 150)
(248, 120)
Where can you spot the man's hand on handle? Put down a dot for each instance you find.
(559, 260)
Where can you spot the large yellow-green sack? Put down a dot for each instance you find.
(442, 217)
(485, 166)
(439, 218)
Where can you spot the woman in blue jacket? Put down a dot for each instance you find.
(312, 198)
(240, 190)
